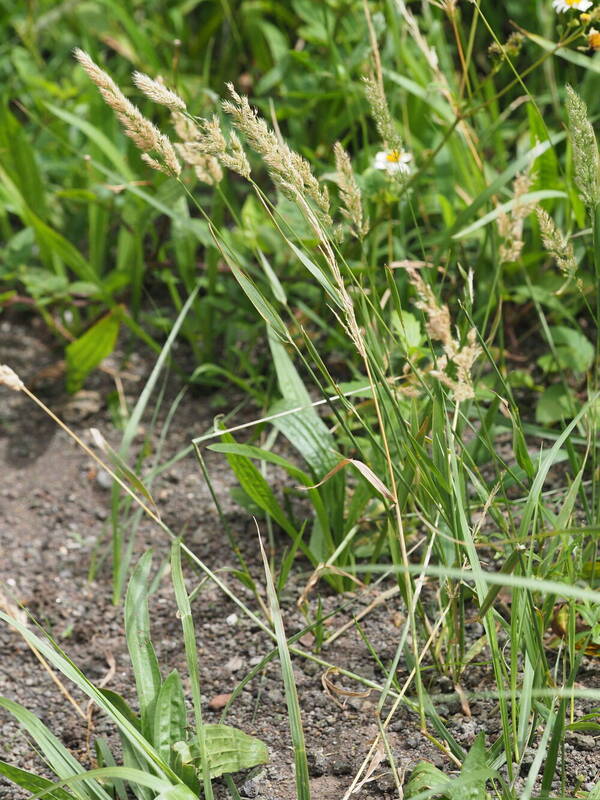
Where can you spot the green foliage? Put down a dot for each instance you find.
(445, 347)
(428, 781)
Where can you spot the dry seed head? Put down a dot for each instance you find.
(438, 317)
(9, 378)
(585, 149)
(155, 91)
(439, 328)
(185, 128)
(236, 159)
(210, 172)
(210, 141)
(206, 167)
(510, 226)
(381, 114)
(98, 76)
(144, 134)
(349, 192)
(288, 169)
(557, 245)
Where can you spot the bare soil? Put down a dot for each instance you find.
(54, 524)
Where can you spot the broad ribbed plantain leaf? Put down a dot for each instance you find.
(85, 353)
(228, 749)
(169, 716)
(425, 777)
(253, 483)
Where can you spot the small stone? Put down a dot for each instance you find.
(103, 479)
(276, 696)
(341, 766)
(219, 701)
(317, 763)
(251, 786)
(583, 741)
(386, 782)
(231, 619)
(234, 664)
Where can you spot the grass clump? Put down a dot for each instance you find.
(397, 269)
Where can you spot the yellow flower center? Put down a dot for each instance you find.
(594, 40)
(393, 156)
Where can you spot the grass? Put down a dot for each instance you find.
(431, 311)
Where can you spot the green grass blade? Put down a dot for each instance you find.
(191, 654)
(56, 754)
(141, 651)
(32, 782)
(291, 693)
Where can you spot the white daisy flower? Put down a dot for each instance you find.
(571, 5)
(393, 161)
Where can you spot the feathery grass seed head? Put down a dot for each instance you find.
(349, 192)
(585, 149)
(207, 167)
(557, 245)
(381, 114)
(209, 142)
(155, 91)
(185, 128)
(143, 133)
(8, 377)
(510, 226)
(439, 328)
(290, 172)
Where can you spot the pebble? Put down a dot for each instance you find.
(251, 787)
(234, 664)
(219, 701)
(583, 741)
(317, 764)
(103, 479)
(341, 766)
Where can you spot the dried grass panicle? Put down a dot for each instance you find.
(209, 142)
(291, 172)
(207, 168)
(510, 226)
(9, 378)
(158, 93)
(350, 193)
(144, 134)
(438, 317)
(380, 112)
(585, 149)
(557, 245)
(185, 127)
(439, 328)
